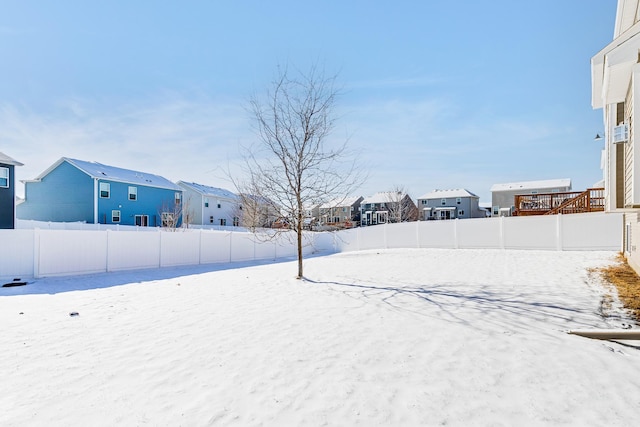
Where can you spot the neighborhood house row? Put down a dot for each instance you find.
(74, 190)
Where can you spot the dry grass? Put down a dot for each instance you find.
(627, 282)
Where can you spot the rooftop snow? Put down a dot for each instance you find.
(209, 191)
(530, 185)
(112, 173)
(447, 194)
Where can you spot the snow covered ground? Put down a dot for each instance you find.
(393, 337)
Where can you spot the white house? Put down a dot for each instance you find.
(212, 206)
(503, 195)
(450, 204)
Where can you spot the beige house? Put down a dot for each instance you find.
(340, 213)
(615, 80)
(615, 72)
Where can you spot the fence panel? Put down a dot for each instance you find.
(403, 235)
(62, 252)
(372, 237)
(179, 248)
(591, 231)
(437, 234)
(16, 254)
(479, 233)
(531, 232)
(347, 240)
(323, 242)
(128, 251)
(215, 247)
(242, 247)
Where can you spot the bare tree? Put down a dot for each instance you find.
(295, 165)
(171, 215)
(400, 206)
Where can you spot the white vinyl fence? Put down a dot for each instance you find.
(591, 231)
(41, 253)
(53, 252)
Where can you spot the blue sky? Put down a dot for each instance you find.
(436, 94)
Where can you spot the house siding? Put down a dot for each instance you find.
(467, 208)
(7, 200)
(64, 195)
(68, 194)
(150, 201)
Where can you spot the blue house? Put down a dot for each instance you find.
(75, 190)
(7, 191)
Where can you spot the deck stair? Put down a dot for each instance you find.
(590, 200)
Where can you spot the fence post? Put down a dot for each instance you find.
(36, 253)
(108, 260)
(559, 232)
(501, 232)
(456, 244)
(159, 247)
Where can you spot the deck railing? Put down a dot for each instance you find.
(590, 200)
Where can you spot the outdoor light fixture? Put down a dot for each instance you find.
(598, 137)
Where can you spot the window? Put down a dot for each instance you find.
(496, 210)
(142, 220)
(4, 177)
(458, 200)
(223, 221)
(206, 202)
(236, 221)
(178, 197)
(460, 212)
(105, 190)
(210, 220)
(443, 202)
(133, 193)
(115, 216)
(219, 205)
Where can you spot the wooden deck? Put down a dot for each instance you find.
(590, 200)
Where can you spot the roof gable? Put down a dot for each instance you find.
(111, 173)
(531, 185)
(206, 190)
(6, 160)
(448, 194)
(384, 197)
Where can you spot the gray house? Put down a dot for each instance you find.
(388, 206)
(7, 191)
(450, 204)
(503, 195)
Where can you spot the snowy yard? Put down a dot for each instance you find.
(391, 337)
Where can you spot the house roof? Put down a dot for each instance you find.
(6, 160)
(339, 202)
(111, 173)
(532, 185)
(206, 190)
(383, 197)
(448, 194)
